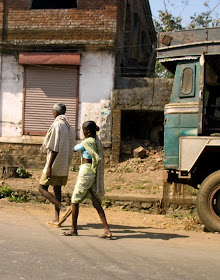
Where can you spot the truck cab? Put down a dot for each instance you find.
(192, 118)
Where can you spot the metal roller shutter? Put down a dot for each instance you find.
(45, 86)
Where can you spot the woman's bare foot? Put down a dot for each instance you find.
(69, 233)
(106, 234)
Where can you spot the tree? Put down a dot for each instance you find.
(205, 19)
(161, 71)
(167, 22)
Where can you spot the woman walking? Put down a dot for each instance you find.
(90, 181)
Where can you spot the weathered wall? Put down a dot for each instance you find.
(92, 20)
(11, 96)
(144, 94)
(1, 19)
(92, 29)
(96, 83)
(28, 155)
(136, 40)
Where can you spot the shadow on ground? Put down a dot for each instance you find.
(120, 232)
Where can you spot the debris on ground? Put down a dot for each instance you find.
(153, 161)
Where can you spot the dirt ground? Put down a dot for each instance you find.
(132, 177)
(114, 215)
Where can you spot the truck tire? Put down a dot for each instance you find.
(208, 202)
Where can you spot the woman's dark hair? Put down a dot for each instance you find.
(91, 126)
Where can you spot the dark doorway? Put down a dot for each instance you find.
(141, 128)
(54, 4)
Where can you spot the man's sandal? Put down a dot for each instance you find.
(52, 224)
(64, 217)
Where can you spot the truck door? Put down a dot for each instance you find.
(182, 115)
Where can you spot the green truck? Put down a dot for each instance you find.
(192, 118)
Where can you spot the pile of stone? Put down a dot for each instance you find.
(144, 160)
(128, 146)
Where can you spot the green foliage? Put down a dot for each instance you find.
(167, 22)
(127, 170)
(5, 191)
(162, 72)
(22, 173)
(183, 214)
(205, 19)
(118, 187)
(147, 181)
(16, 198)
(141, 187)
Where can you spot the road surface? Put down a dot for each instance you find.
(32, 250)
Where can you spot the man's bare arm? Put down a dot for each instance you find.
(51, 161)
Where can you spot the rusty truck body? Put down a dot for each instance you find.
(192, 118)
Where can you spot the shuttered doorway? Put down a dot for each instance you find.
(43, 87)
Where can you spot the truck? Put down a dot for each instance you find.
(192, 118)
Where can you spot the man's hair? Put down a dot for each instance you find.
(60, 108)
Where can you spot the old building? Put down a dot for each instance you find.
(76, 52)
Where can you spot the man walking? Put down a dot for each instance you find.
(58, 143)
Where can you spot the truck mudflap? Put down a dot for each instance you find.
(208, 202)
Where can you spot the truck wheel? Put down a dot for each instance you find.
(208, 202)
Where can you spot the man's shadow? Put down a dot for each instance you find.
(120, 232)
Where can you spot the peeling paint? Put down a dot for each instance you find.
(96, 83)
(11, 96)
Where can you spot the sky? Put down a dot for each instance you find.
(194, 6)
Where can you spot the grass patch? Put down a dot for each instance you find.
(118, 187)
(141, 187)
(6, 192)
(183, 214)
(147, 181)
(22, 173)
(178, 216)
(127, 170)
(18, 199)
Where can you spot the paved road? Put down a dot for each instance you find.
(31, 250)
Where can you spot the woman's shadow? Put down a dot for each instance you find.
(120, 232)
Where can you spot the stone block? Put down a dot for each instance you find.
(140, 152)
(146, 205)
